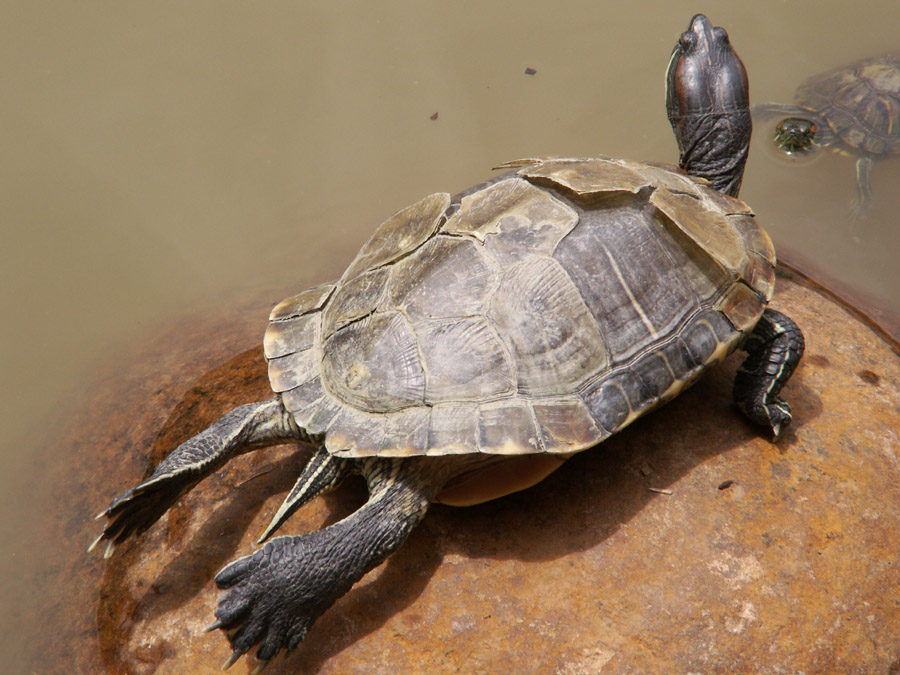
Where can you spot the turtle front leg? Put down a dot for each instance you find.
(246, 428)
(774, 349)
(275, 594)
(860, 206)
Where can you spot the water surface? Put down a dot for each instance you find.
(162, 158)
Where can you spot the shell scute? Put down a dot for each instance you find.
(507, 428)
(453, 429)
(374, 364)
(290, 335)
(400, 234)
(553, 337)
(524, 220)
(635, 292)
(308, 301)
(464, 360)
(564, 424)
(447, 277)
(588, 177)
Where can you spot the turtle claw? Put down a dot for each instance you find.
(211, 627)
(95, 542)
(231, 660)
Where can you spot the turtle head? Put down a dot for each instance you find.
(708, 103)
(796, 135)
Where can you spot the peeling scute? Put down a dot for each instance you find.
(755, 238)
(374, 364)
(666, 176)
(290, 335)
(742, 307)
(554, 339)
(565, 424)
(588, 176)
(464, 361)
(710, 230)
(399, 234)
(355, 299)
(507, 428)
(308, 301)
(290, 371)
(514, 219)
(699, 271)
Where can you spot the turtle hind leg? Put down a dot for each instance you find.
(275, 594)
(860, 206)
(323, 472)
(246, 428)
(774, 349)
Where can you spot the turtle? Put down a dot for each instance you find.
(478, 341)
(854, 109)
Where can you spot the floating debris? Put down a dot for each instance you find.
(530, 71)
(433, 117)
(726, 484)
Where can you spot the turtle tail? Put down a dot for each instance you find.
(323, 472)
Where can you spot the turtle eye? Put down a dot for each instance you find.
(721, 35)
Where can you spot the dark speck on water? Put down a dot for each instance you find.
(530, 71)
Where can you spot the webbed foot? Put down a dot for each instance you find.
(275, 594)
(135, 510)
(245, 428)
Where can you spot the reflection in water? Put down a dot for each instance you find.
(156, 164)
(855, 109)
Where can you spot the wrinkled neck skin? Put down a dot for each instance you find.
(709, 148)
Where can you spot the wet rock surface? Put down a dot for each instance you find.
(687, 543)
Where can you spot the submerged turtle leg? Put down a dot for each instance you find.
(774, 348)
(246, 428)
(323, 472)
(769, 110)
(276, 593)
(863, 201)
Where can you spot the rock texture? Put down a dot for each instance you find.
(687, 543)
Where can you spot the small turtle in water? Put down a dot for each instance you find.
(854, 110)
(478, 341)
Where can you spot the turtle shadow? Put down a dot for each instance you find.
(577, 508)
(599, 491)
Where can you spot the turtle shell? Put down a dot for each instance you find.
(538, 312)
(861, 102)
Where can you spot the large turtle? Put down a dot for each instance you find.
(478, 341)
(854, 109)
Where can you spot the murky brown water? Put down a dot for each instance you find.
(159, 158)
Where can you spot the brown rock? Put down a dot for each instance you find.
(791, 568)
